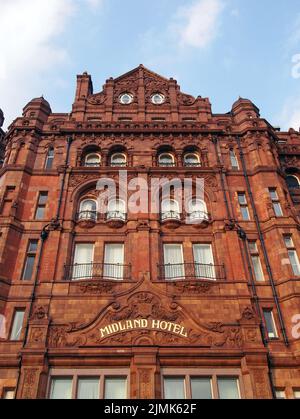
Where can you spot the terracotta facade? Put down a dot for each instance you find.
(144, 324)
(2, 138)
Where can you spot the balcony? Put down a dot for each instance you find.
(97, 271)
(172, 219)
(87, 219)
(116, 219)
(92, 164)
(192, 271)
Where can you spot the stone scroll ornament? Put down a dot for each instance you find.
(145, 318)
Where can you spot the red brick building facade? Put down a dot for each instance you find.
(148, 305)
(2, 138)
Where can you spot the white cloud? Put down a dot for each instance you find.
(290, 114)
(197, 25)
(29, 31)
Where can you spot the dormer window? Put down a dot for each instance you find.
(158, 99)
(192, 160)
(93, 160)
(118, 160)
(126, 99)
(166, 160)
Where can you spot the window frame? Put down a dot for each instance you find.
(171, 164)
(213, 374)
(12, 325)
(292, 248)
(98, 164)
(119, 164)
(234, 160)
(49, 158)
(76, 374)
(276, 335)
(196, 156)
(30, 253)
(254, 253)
(41, 205)
(276, 202)
(244, 206)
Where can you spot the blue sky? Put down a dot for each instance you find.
(219, 49)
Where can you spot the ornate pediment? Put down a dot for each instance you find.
(143, 316)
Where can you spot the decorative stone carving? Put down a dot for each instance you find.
(192, 287)
(30, 383)
(96, 288)
(39, 313)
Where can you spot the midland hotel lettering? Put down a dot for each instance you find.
(193, 301)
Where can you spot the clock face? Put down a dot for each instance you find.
(126, 98)
(158, 99)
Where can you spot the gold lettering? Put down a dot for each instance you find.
(104, 332)
(115, 327)
(155, 324)
(137, 324)
(129, 324)
(144, 324)
(163, 325)
(183, 332)
(177, 329)
(122, 327)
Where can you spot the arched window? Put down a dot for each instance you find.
(93, 160)
(292, 182)
(197, 211)
(116, 210)
(166, 160)
(118, 160)
(234, 160)
(170, 210)
(49, 159)
(88, 210)
(192, 160)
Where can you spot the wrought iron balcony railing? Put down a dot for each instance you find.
(170, 215)
(92, 164)
(162, 164)
(121, 164)
(194, 271)
(190, 164)
(91, 271)
(198, 216)
(87, 216)
(116, 215)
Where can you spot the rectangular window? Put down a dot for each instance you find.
(258, 272)
(30, 260)
(228, 388)
(83, 261)
(280, 394)
(49, 160)
(174, 388)
(244, 206)
(8, 394)
(293, 256)
(276, 202)
(234, 160)
(202, 385)
(89, 384)
(17, 325)
(204, 261)
(201, 388)
(61, 388)
(270, 324)
(115, 388)
(88, 388)
(114, 256)
(174, 265)
(297, 394)
(41, 207)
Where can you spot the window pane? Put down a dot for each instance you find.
(245, 213)
(288, 242)
(280, 394)
(40, 213)
(228, 388)
(201, 388)
(43, 198)
(273, 194)
(173, 256)
(61, 389)
(174, 388)
(294, 262)
(17, 325)
(234, 161)
(253, 247)
(9, 395)
(28, 270)
(259, 275)
(278, 209)
(88, 388)
(204, 261)
(83, 261)
(115, 388)
(270, 324)
(297, 394)
(242, 199)
(33, 245)
(114, 261)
